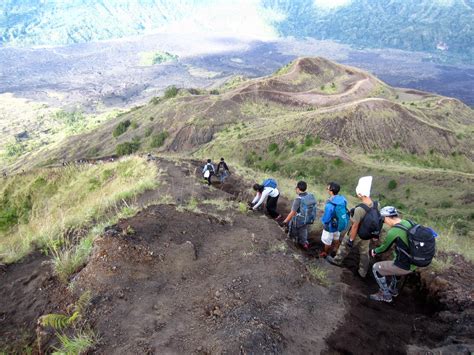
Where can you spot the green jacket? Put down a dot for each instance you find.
(400, 238)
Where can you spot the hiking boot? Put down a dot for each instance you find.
(381, 297)
(331, 261)
(394, 292)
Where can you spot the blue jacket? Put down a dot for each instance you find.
(329, 212)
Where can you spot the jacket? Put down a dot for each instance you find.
(329, 213)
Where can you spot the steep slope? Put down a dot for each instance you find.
(341, 105)
(312, 119)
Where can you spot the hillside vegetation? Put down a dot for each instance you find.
(45, 208)
(312, 119)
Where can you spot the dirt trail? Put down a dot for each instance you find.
(204, 277)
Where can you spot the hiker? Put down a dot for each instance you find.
(224, 170)
(208, 171)
(366, 224)
(402, 232)
(267, 190)
(335, 219)
(302, 215)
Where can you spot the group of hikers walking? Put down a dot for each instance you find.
(414, 243)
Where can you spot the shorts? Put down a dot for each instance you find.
(328, 237)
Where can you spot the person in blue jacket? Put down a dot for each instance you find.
(331, 234)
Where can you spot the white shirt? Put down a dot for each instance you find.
(267, 191)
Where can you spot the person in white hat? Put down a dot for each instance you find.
(355, 238)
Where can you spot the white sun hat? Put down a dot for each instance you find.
(364, 185)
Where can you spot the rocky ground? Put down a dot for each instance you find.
(195, 274)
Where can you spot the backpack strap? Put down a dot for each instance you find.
(364, 207)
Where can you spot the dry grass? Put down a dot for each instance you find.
(68, 199)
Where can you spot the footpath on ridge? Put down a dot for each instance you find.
(194, 273)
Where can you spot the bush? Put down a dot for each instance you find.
(250, 159)
(121, 128)
(338, 162)
(171, 92)
(152, 118)
(193, 91)
(159, 139)
(446, 204)
(392, 185)
(155, 100)
(308, 141)
(272, 147)
(127, 148)
(134, 125)
(148, 132)
(214, 92)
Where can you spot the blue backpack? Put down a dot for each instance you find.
(307, 211)
(340, 217)
(270, 183)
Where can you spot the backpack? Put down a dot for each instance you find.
(307, 210)
(270, 183)
(371, 226)
(209, 167)
(340, 217)
(421, 244)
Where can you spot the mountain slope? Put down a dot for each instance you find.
(312, 119)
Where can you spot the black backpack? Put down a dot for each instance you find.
(371, 225)
(421, 244)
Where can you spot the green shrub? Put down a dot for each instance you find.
(194, 91)
(134, 125)
(158, 140)
(152, 118)
(121, 128)
(338, 162)
(301, 149)
(308, 141)
(446, 204)
(290, 144)
(250, 159)
(171, 92)
(322, 87)
(127, 148)
(14, 149)
(392, 185)
(155, 100)
(214, 92)
(272, 147)
(148, 132)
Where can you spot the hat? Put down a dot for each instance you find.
(389, 211)
(364, 185)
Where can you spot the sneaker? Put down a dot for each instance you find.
(323, 254)
(331, 261)
(394, 292)
(381, 297)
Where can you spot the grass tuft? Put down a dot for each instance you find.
(319, 274)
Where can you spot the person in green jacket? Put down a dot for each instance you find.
(401, 264)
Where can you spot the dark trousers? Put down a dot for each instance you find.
(272, 206)
(209, 178)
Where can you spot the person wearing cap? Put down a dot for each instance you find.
(400, 265)
(352, 239)
(224, 170)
